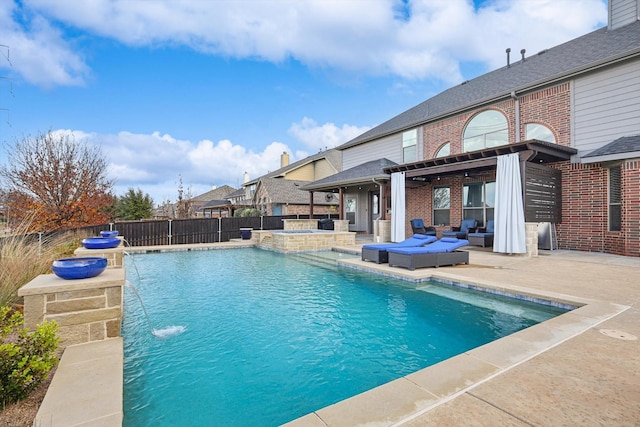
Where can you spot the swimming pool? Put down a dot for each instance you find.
(270, 337)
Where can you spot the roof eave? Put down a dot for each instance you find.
(345, 183)
(611, 157)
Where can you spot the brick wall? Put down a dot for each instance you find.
(585, 210)
(550, 107)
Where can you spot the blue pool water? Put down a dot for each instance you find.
(270, 337)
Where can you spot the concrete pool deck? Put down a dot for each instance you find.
(581, 368)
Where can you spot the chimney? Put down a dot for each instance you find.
(284, 159)
(522, 52)
(508, 52)
(246, 177)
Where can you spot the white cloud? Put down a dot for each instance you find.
(38, 51)
(430, 40)
(156, 162)
(320, 137)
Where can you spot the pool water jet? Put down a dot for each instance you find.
(166, 332)
(163, 333)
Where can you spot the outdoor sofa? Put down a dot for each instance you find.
(436, 254)
(466, 226)
(378, 252)
(483, 237)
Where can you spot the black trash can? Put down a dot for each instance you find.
(325, 224)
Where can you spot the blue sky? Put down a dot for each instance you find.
(208, 89)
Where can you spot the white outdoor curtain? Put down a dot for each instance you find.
(397, 206)
(509, 235)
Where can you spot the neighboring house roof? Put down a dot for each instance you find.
(365, 172)
(289, 191)
(622, 148)
(212, 204)
(238, 193)
(574, 57)
(218, 193)
(333, 156)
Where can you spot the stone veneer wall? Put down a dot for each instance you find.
(294, 242)
(300, 224)
(86, 309)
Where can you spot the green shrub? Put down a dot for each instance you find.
(246, 212)
(26, 357)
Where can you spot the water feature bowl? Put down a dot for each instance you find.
(79, 268)
(109, 233)
(100, 242)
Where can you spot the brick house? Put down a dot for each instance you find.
(571, 114)
(280, 192)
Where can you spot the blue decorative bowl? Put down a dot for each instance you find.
(108, 233)
(100, 242)
(79, 268)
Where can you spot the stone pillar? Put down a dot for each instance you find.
(341, 225)
(382, 231)
(531, 233)
(86, 309)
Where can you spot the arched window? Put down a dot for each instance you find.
(487, 129)
(444, 151)
(539, 132)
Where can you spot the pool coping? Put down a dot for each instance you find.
(402, 400)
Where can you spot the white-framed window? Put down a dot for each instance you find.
(442, 205)
(444, 151)
(485, 130)
(539, 132)
(350, 209)
(615, 198)
(410, 146)
(478, 201)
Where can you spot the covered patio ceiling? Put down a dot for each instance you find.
(532, 151)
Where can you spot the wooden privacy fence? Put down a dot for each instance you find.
(185, 231)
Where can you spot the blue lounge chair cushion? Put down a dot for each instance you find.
(446, 244)
(413, 241)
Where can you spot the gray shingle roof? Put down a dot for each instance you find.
(361, 173)
(289, 191)
(219, 193)
(621, 148)
(214, 203)
(576, 56)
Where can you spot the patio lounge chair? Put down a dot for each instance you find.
(417, 226)
(378, 252)
(466, 226)
(483, 237)
(441, 252)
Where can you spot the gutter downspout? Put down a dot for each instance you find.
(377, 235)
